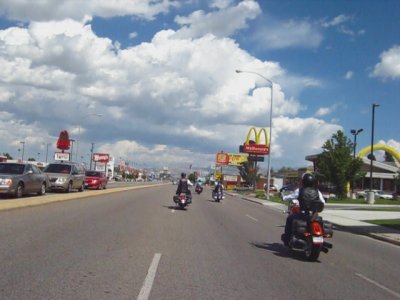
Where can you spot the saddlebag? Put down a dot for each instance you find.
(299, 226)
(176, 198)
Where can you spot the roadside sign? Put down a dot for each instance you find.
(64, 156)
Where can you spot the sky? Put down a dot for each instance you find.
(153, 82)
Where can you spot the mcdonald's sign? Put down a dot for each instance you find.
(257, 147)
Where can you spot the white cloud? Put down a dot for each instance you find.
(167, 101)
(389, 66)
(348, 75)
(338, 20)
(45, 10)
(220, 23)
(323, 111)
(289, 34)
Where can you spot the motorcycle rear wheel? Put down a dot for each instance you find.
(312, 251)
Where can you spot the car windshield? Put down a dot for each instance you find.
(58, 168)
(93, 174)
(12, 169)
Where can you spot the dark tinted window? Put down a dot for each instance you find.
(93, 173)
(58, 168)
(12, 168)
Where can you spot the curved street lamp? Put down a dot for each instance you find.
(270, 125)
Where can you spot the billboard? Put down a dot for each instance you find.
(230, 159)
(101, 157)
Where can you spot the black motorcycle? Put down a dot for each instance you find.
(198, 189)
(309, 233)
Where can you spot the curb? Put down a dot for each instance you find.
(341, 227)
(59, 197)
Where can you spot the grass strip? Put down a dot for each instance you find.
(395, 223)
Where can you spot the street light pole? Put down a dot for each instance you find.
(372, 145)
(371, 195)
(47, 150)
(23, 150)
(91, 156)
(355, 132)
(270, 127)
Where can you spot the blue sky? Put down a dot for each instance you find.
(162, 74)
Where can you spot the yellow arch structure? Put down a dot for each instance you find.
(257, 136)
(383, 147)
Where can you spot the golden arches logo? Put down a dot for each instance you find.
(256, 148)
(257, 136)
(383, 147)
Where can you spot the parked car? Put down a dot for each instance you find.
(65, 176)
(18, 179)
(383, 195)
(95, 180)
(378, 194)
(272, 188)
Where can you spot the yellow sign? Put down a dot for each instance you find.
(237, 159)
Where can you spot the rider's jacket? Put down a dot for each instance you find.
(183, 186)
(299, 194)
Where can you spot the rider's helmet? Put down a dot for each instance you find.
(308, 180)
(183, 175)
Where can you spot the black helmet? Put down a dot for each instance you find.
(183, 175)
(308, 180)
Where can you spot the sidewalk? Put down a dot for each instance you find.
(349, 217)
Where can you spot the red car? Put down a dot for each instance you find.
(95, 180)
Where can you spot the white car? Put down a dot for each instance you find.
(378, 194)
(383, 195)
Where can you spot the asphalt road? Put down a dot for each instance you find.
(137, 245)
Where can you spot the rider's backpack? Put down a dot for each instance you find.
(307, 196)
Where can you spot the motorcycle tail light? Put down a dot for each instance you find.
(316, 228)
(296, 209)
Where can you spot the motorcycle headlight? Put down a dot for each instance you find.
(61, 180)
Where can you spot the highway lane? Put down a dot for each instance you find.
(104, 247)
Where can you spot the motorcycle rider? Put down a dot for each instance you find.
(183, 187)
(308, 192)
(218, 188)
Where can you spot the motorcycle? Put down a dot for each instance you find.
(217, 196)
(183, 200)
(310, 232)
(198, 189)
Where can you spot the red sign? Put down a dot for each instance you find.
(63, 142)
(222, 158)
(256, 149)
(101, 157)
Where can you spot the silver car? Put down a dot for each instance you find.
(18, 179)
(65, 176)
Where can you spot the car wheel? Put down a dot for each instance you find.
(104, 187)
(19, 192)
(82, 187)
(69, 188)
(42, 189)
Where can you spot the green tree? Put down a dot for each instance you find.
(192, 177)
(8, 156)
(249, 171)
(388, 157)
(336, 164)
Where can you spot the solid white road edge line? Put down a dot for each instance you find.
(379, 285)
(148, 282)
(254, 219)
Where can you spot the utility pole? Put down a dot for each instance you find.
(91, 156)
